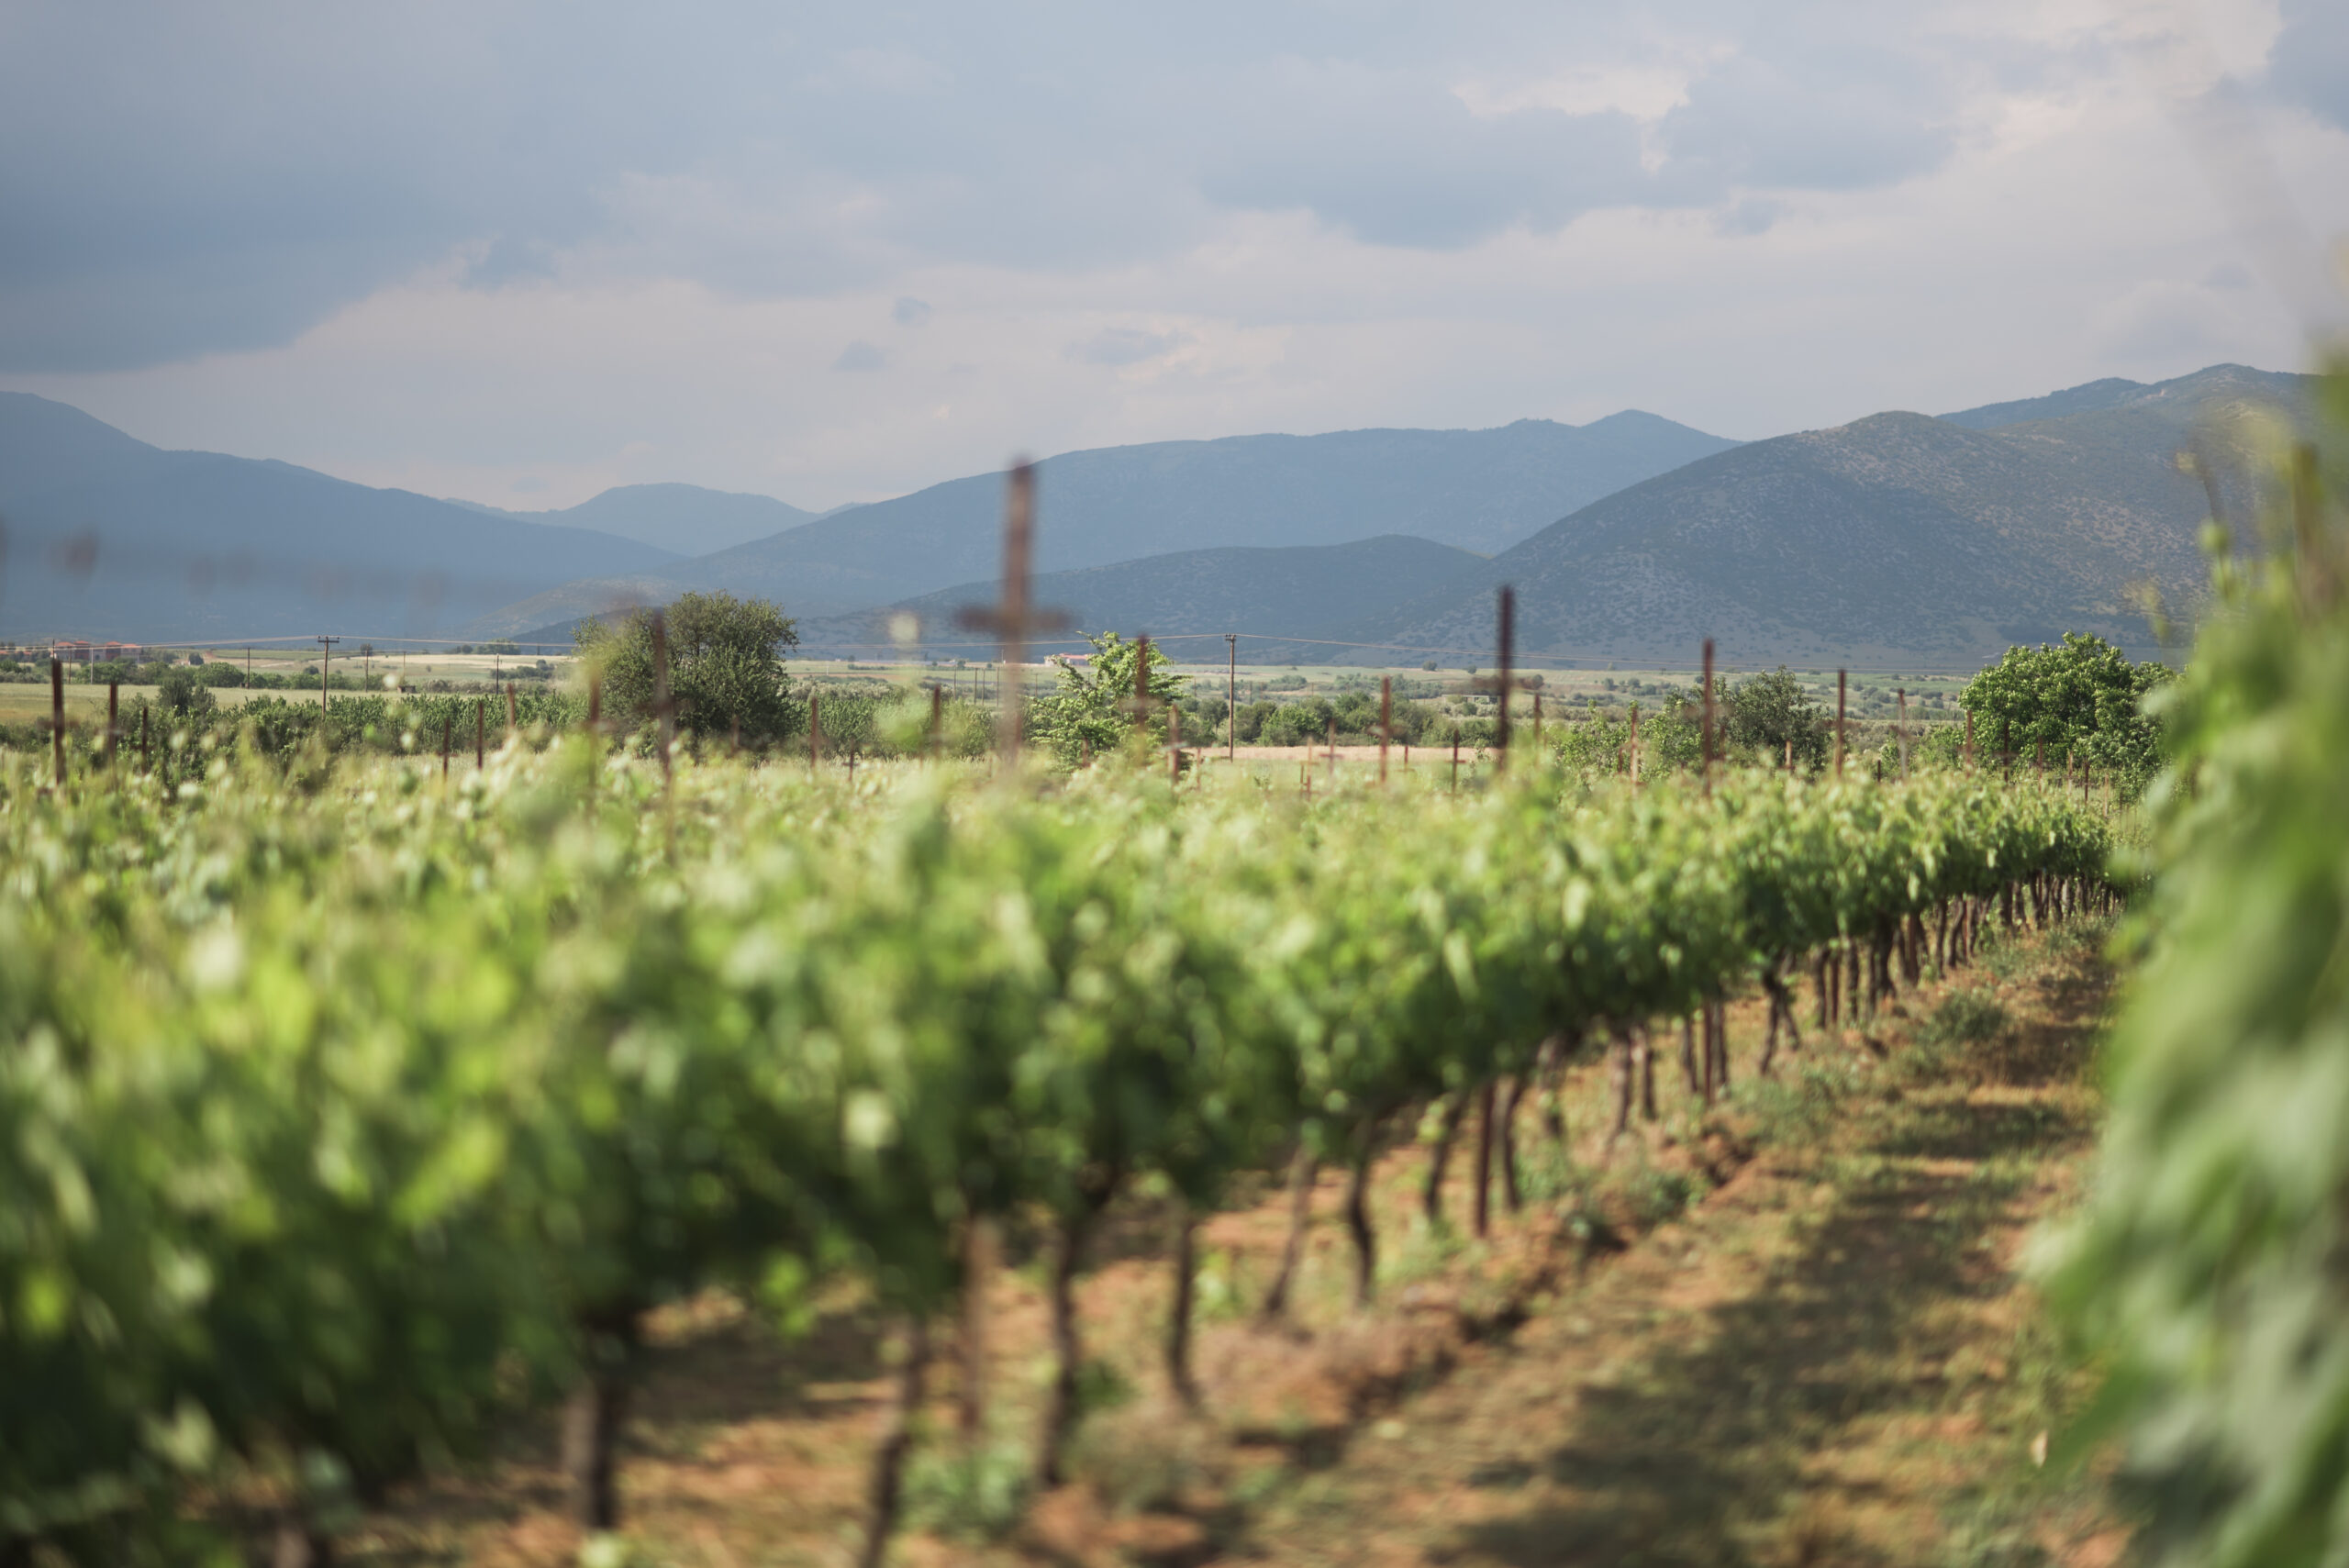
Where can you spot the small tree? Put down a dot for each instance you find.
(181, 692)
(1089, 710)
(726, 666)
(1768, 712)
(2083, 698)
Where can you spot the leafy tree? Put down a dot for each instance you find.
(725, 666)
(1090, 708)
(181, 690)
(218, 674)
(1770, 712)
(2082, 698)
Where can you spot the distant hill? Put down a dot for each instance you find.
(1476, 489)
(107, 537)
(1294, 591)
(1895, 538)
(684, 520)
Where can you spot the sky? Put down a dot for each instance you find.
(519, 251)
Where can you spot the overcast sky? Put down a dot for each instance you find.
(520, 251)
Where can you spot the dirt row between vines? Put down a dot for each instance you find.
(1793, 1330)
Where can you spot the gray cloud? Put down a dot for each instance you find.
(910, 312)
(1125, 346)
(860, 356)
(216, 177)
(2312, 58)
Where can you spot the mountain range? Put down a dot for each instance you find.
(105, 537)
(681, 519)
(1898, 538)
(1478, 490)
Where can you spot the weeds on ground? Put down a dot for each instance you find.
(970, 1492)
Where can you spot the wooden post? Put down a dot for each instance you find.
(513, 709)
(1333, 750)
(1174, 744)
(480, 733)
(1635, 748)
(1142, 681)
(1012, 618)
(937, 722)
(145, 758)
(1385, 721)
(326, 662)
(1708, 717)
(662, 705)
(1900, 727)
(114, 699)
(57, 715)
(1969, 738)
(447, 722)
(1231, 698)
(1507, 653)
(1537, 719)
(816, 732)
(1455, 758)
(1842, 680)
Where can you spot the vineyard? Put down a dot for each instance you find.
(350, 1108)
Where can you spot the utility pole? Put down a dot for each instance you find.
(325, 660)
(1231, 698)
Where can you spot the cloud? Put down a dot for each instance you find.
(1125, 346)
(218, 179)
(909, 311)
(860, 356)
(2309, 65)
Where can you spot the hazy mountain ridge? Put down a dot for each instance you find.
(1197, 595)
(1899, 536)
(684, 519)
(1478, 490)
(109, 537)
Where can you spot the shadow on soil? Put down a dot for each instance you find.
(1700, 1457)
